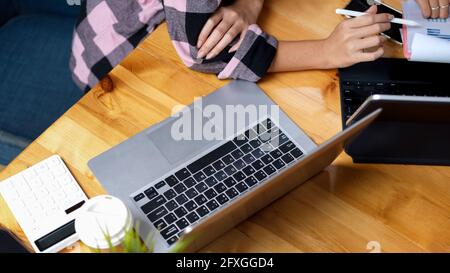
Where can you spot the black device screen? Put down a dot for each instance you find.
(56, 236)
(406, 132)
(362, 5)
(10, 244)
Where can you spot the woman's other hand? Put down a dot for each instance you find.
(225, 25)
(434, 8)
(357, 40)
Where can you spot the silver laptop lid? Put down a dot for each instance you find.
(283, 182)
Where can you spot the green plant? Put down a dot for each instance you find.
(133, 243)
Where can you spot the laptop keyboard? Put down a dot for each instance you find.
(199, 189)
(355, 93)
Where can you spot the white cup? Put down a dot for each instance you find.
(101, 217)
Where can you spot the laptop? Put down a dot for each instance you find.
(203, 186)
(388, 76)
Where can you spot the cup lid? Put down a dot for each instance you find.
(101, 217)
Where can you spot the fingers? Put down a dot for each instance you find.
(213, 21)
(435, 10)
(443, 8)
(371, 30)
(425, 7)
(370, 42)
(372, 10)
(368, 20)
(224, 42)
(217, 35)
(370, 56)
(238, 44)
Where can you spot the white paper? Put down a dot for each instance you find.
(430, 49)
(430, 42)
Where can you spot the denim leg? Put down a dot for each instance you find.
(7, 11)
(36, 87)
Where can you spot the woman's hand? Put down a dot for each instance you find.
(434, 8)
(349, 42)
(225, 25)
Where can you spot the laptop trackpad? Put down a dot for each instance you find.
(175, 150)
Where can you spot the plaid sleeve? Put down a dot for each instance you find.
(186, 18)
(253, 58)
(106, 32)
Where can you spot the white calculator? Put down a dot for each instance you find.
(45, 199)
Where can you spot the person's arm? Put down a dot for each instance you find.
(118, 30)
(434, 8)
(225, 25)
(347, 45)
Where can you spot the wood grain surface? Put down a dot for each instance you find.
(403, 208)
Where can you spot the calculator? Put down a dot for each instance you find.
(45, 199)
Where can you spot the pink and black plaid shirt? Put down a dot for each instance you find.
(108, 30)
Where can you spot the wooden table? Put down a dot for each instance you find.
(403, 208)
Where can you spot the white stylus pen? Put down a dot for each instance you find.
(353, 13)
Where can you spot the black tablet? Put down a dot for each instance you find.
(10, 244)
(410, 130)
